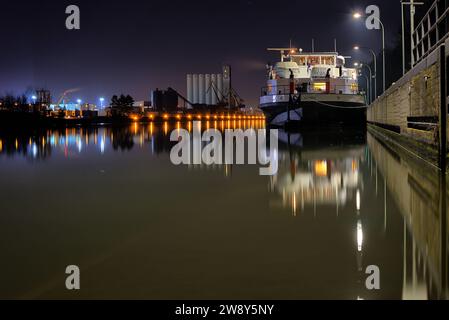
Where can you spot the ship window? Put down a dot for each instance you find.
(321, 168)
(302, 61)
(313, 60)
(319, 86)
(329, 60)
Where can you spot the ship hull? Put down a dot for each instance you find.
(316, 109)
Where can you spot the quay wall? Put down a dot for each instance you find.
(410, 107)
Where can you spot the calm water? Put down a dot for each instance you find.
(110, 201)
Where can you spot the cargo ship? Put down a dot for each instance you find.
(312, 88)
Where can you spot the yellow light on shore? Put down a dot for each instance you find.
(357, 15)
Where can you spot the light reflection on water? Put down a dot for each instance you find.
(109, 200)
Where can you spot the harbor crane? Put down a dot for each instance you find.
(64, 95)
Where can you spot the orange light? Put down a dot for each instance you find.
(321, 168)
(178, 117)
(199, 117)
(166, 116)
(189, 117)
(354, 166)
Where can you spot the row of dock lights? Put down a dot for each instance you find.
(202, 117)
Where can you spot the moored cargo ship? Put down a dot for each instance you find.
(312, 88)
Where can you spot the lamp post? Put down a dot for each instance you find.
(375, 67)
(370, 81)
(101, 102)
(368, 87)
(358, 16)
(367, 84)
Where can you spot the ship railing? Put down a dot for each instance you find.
(332, 89)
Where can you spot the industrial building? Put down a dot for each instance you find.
(209, 89)
(164, 100)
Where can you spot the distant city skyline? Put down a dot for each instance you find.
(134, 47)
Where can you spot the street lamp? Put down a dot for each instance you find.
(375, 67)
(358, 15)
(359, 66)
(101, 102)
(34, 98)
(367, 85)
(370, 81)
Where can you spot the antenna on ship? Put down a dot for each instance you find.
(335, 45)
(313, 45)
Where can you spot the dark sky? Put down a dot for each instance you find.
(133, 46)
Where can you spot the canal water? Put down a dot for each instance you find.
(110, 201)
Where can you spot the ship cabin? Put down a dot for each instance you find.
(313, 73)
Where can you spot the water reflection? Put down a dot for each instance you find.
(319, 170)
(39, 144)
(420, 193)
(341, 201)
(311, 177)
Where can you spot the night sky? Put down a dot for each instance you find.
(134, 46)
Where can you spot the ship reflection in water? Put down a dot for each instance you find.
(109, 200)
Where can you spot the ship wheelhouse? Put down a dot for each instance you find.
(314, 73)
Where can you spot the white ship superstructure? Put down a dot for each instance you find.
(315, 87)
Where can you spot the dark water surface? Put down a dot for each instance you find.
(110, 201)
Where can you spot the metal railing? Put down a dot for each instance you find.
(432, 31)
(285, 90)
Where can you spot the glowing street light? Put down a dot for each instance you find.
(357, 48)
(34, 98)
(101, 102)
(358, 15)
